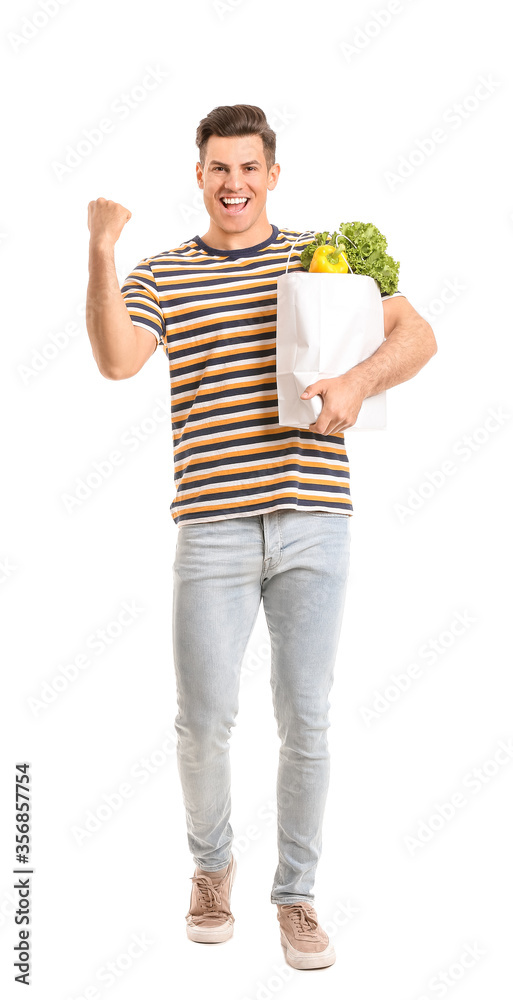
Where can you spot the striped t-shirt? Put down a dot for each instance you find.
(214, 313)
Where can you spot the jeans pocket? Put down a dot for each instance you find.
(327, 513)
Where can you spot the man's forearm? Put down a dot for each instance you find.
(110, 328)
(408, 347)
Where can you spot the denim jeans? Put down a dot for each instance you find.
(297, 562)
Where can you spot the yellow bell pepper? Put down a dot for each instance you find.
(328, 258)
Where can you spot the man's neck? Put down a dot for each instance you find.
(219, 239)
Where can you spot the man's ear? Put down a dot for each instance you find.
(273, 175)
(199, 174)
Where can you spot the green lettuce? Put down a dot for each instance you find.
(366, 250)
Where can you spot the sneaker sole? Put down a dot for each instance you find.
(212, 935)
(304, 960)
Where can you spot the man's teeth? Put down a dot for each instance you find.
(233, 201)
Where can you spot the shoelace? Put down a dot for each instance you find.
(208, 892)
(209, 898)
(302, 917)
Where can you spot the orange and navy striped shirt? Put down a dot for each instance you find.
(214, 313)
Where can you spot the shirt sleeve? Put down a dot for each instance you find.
(385, 296)
(141, 296)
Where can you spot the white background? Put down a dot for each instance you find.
(423, 549)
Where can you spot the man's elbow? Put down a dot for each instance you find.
(431, 344)
(115, 374)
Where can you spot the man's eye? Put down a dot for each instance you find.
(222, 168)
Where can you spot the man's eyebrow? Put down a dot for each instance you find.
(247, 164)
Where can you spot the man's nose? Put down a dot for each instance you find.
(235, 181)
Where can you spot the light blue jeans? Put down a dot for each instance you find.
(297, 562)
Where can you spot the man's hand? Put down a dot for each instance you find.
(342, 400)
(106, 219)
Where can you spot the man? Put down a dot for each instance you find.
(263, 510)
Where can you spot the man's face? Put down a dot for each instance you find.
(235, 167)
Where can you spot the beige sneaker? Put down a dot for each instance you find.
(306, 945)
(210, 919)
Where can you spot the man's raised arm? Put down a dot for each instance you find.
(120, 349)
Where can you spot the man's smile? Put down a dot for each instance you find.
(234, 206)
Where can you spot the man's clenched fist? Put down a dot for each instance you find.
(106, 219)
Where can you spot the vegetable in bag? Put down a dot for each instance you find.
(356, 245)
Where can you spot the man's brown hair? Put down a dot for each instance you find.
(237, 119)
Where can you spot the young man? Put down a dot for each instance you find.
(263, 510)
